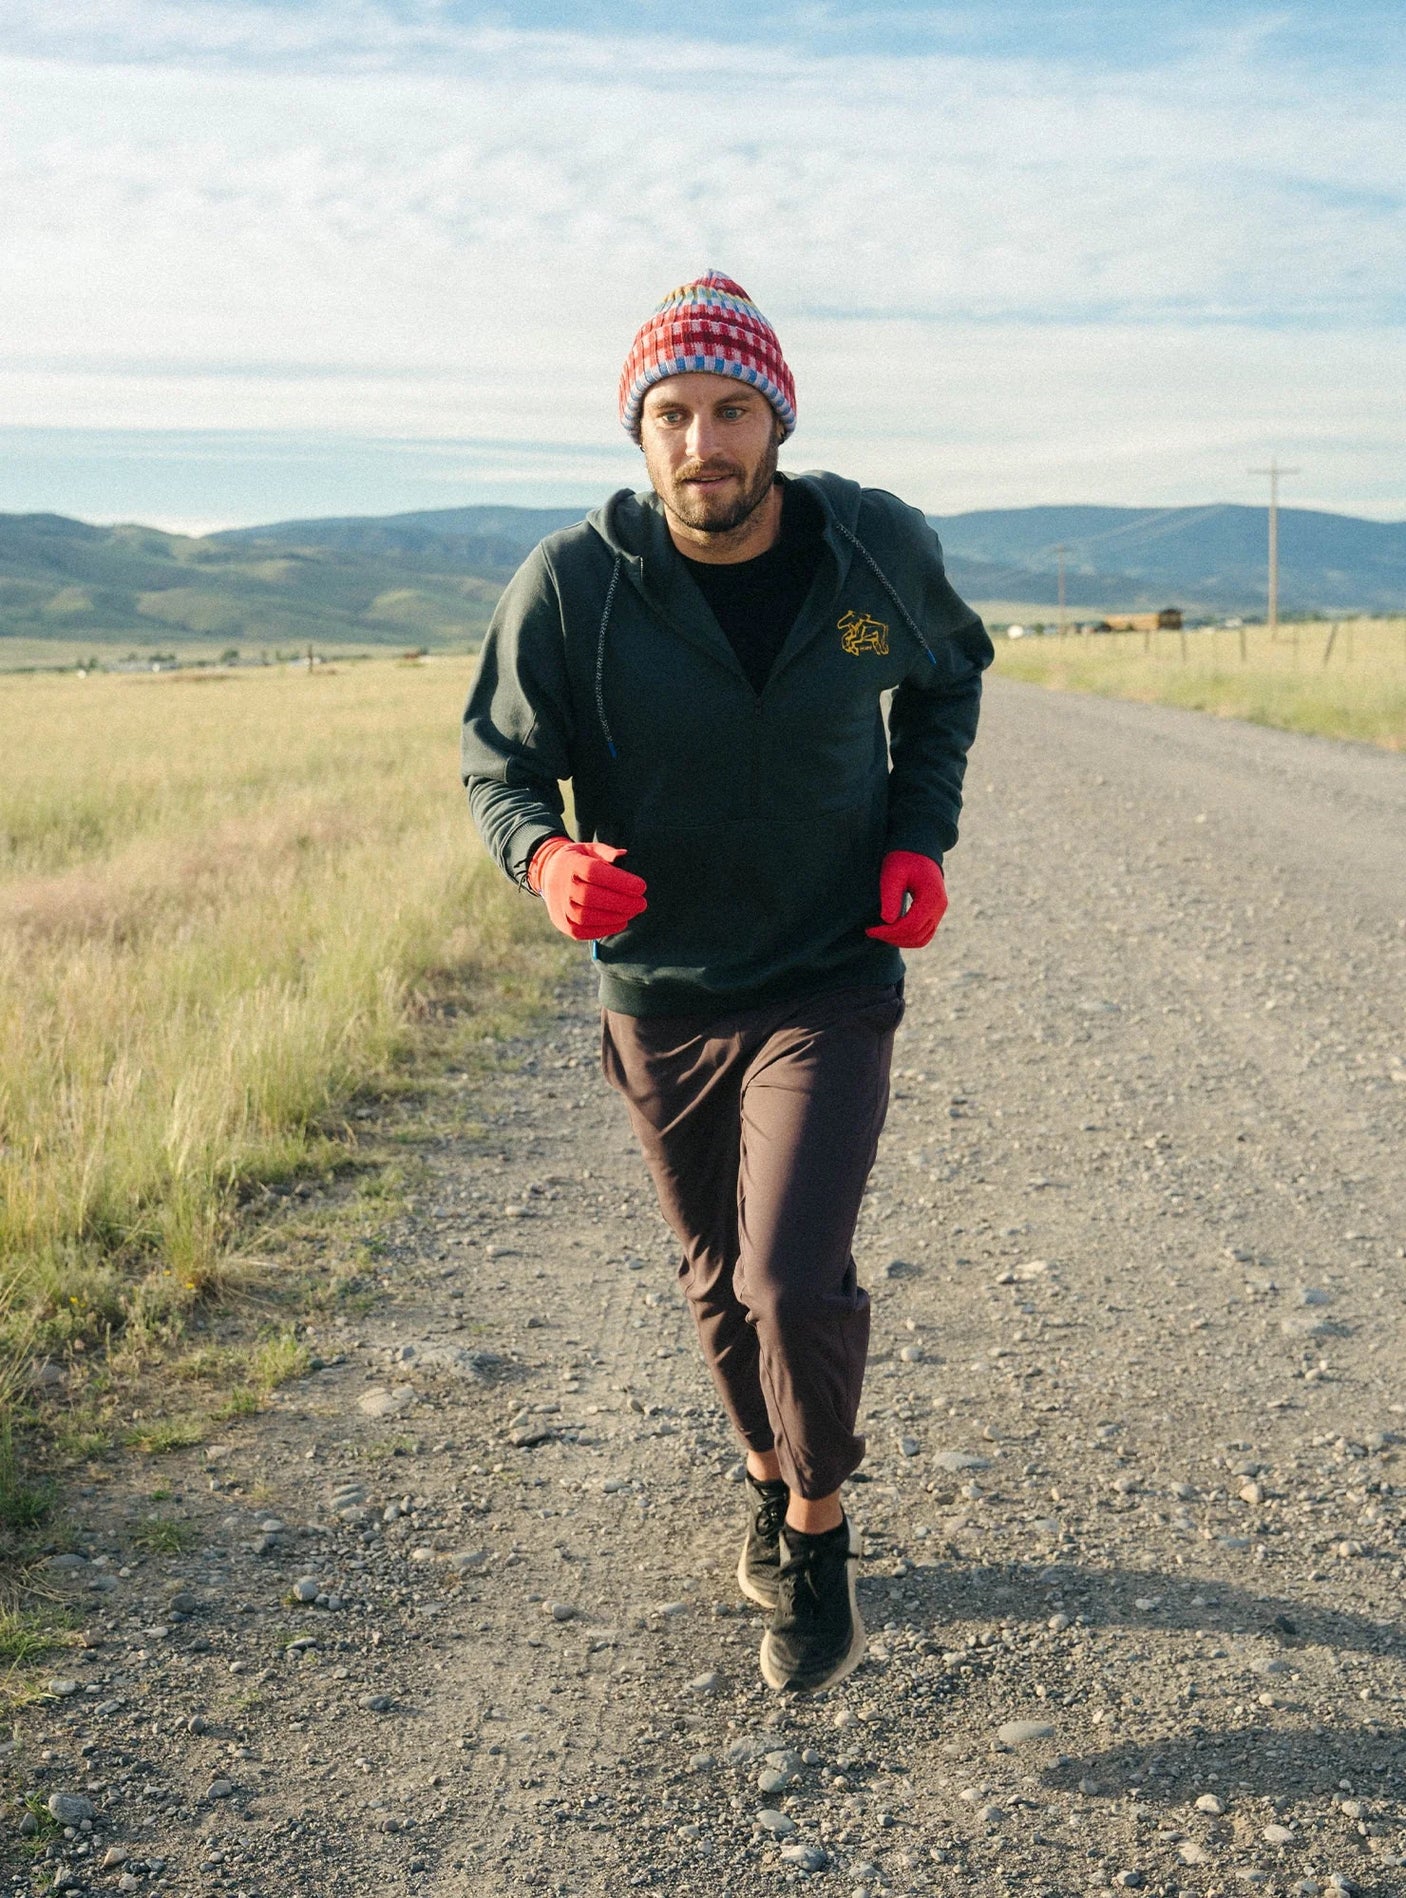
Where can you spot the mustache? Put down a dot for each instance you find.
(702, 470)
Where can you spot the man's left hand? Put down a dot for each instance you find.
(904, 874)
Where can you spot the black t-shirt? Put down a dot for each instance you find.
(757, 602)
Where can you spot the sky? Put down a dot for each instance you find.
(314, 257)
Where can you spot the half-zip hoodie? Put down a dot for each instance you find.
(757, 819)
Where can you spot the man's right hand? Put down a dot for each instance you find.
(587, 897)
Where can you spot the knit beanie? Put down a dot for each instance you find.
(710, 325)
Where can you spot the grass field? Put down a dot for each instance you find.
(223, 900)
(1353, 688)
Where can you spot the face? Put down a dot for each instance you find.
(710, 447)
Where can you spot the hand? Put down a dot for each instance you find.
(906, 874)
(586, 896)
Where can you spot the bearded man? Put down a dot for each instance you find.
(762, 689)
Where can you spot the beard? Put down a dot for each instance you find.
(710, 511)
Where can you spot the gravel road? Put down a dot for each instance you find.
(1135, 1501)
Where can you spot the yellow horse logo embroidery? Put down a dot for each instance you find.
(862, 634)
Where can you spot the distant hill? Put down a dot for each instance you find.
(64, 578)
(432, 578)
(489, 541)
(1210, 557)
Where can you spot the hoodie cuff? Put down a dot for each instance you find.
(523, 842)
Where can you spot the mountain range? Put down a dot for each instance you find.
(431, 578)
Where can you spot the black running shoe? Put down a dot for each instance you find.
(759, 1565)
(816, 1637)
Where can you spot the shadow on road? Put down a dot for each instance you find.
(1111, 1598)
(1279, 1764)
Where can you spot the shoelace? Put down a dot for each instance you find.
(796, 1568)
(771, 1513)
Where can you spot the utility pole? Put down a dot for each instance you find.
(1061, 593)
(1274, 471)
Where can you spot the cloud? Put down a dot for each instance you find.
(415, 224)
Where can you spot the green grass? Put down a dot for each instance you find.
(165, 1535)
(23, 1503)
(1355, 688)
(224, 916)
(26, 1636)
(165, 1435)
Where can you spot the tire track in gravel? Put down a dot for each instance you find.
(1135, 1416)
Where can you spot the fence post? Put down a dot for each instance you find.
(1328, 649)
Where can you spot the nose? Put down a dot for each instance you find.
(702, 437)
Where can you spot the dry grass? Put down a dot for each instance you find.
(220, 912)
(1356, 690)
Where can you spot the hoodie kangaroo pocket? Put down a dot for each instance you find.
(733, 905)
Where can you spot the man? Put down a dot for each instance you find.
(708, 665)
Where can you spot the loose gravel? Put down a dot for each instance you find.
(460, 1618)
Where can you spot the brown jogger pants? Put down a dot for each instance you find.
(760, 1129)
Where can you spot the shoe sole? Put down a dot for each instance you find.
(749, 1587)
(775, 1677)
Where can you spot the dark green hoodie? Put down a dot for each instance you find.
(758, 821)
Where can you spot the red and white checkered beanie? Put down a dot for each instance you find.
(709, 325)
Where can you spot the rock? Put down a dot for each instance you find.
(708, 1683)
(70, 1809)
(908, 1446)
(955, 1460)
(114, 1856)
(751, 1746)
(65, 1879)
(70, 1560)
(769, 1780)
(1018, 1732)
(559, 1610)
(1209, 1803)
(530, 1435)
(183, 1602)
(472, 1559)
(911, 1354)
(1278, 1835)
(63, 1689)
(779, 1824)
(219, 1789)
(375, 1703)
(129, 1882)
(810, 1858)
(990, 1815)
(1190, 1853)
(379, 1402)
(1129, 1881)
(307, 1588)
(1251, 1492)
(702, 1763)
(29, 1825)
(614, 1484)
(1058, 1623)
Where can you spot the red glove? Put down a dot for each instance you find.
(905, 873)
(586, 896)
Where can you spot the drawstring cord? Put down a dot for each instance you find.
(600, 657)
(883, 581)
